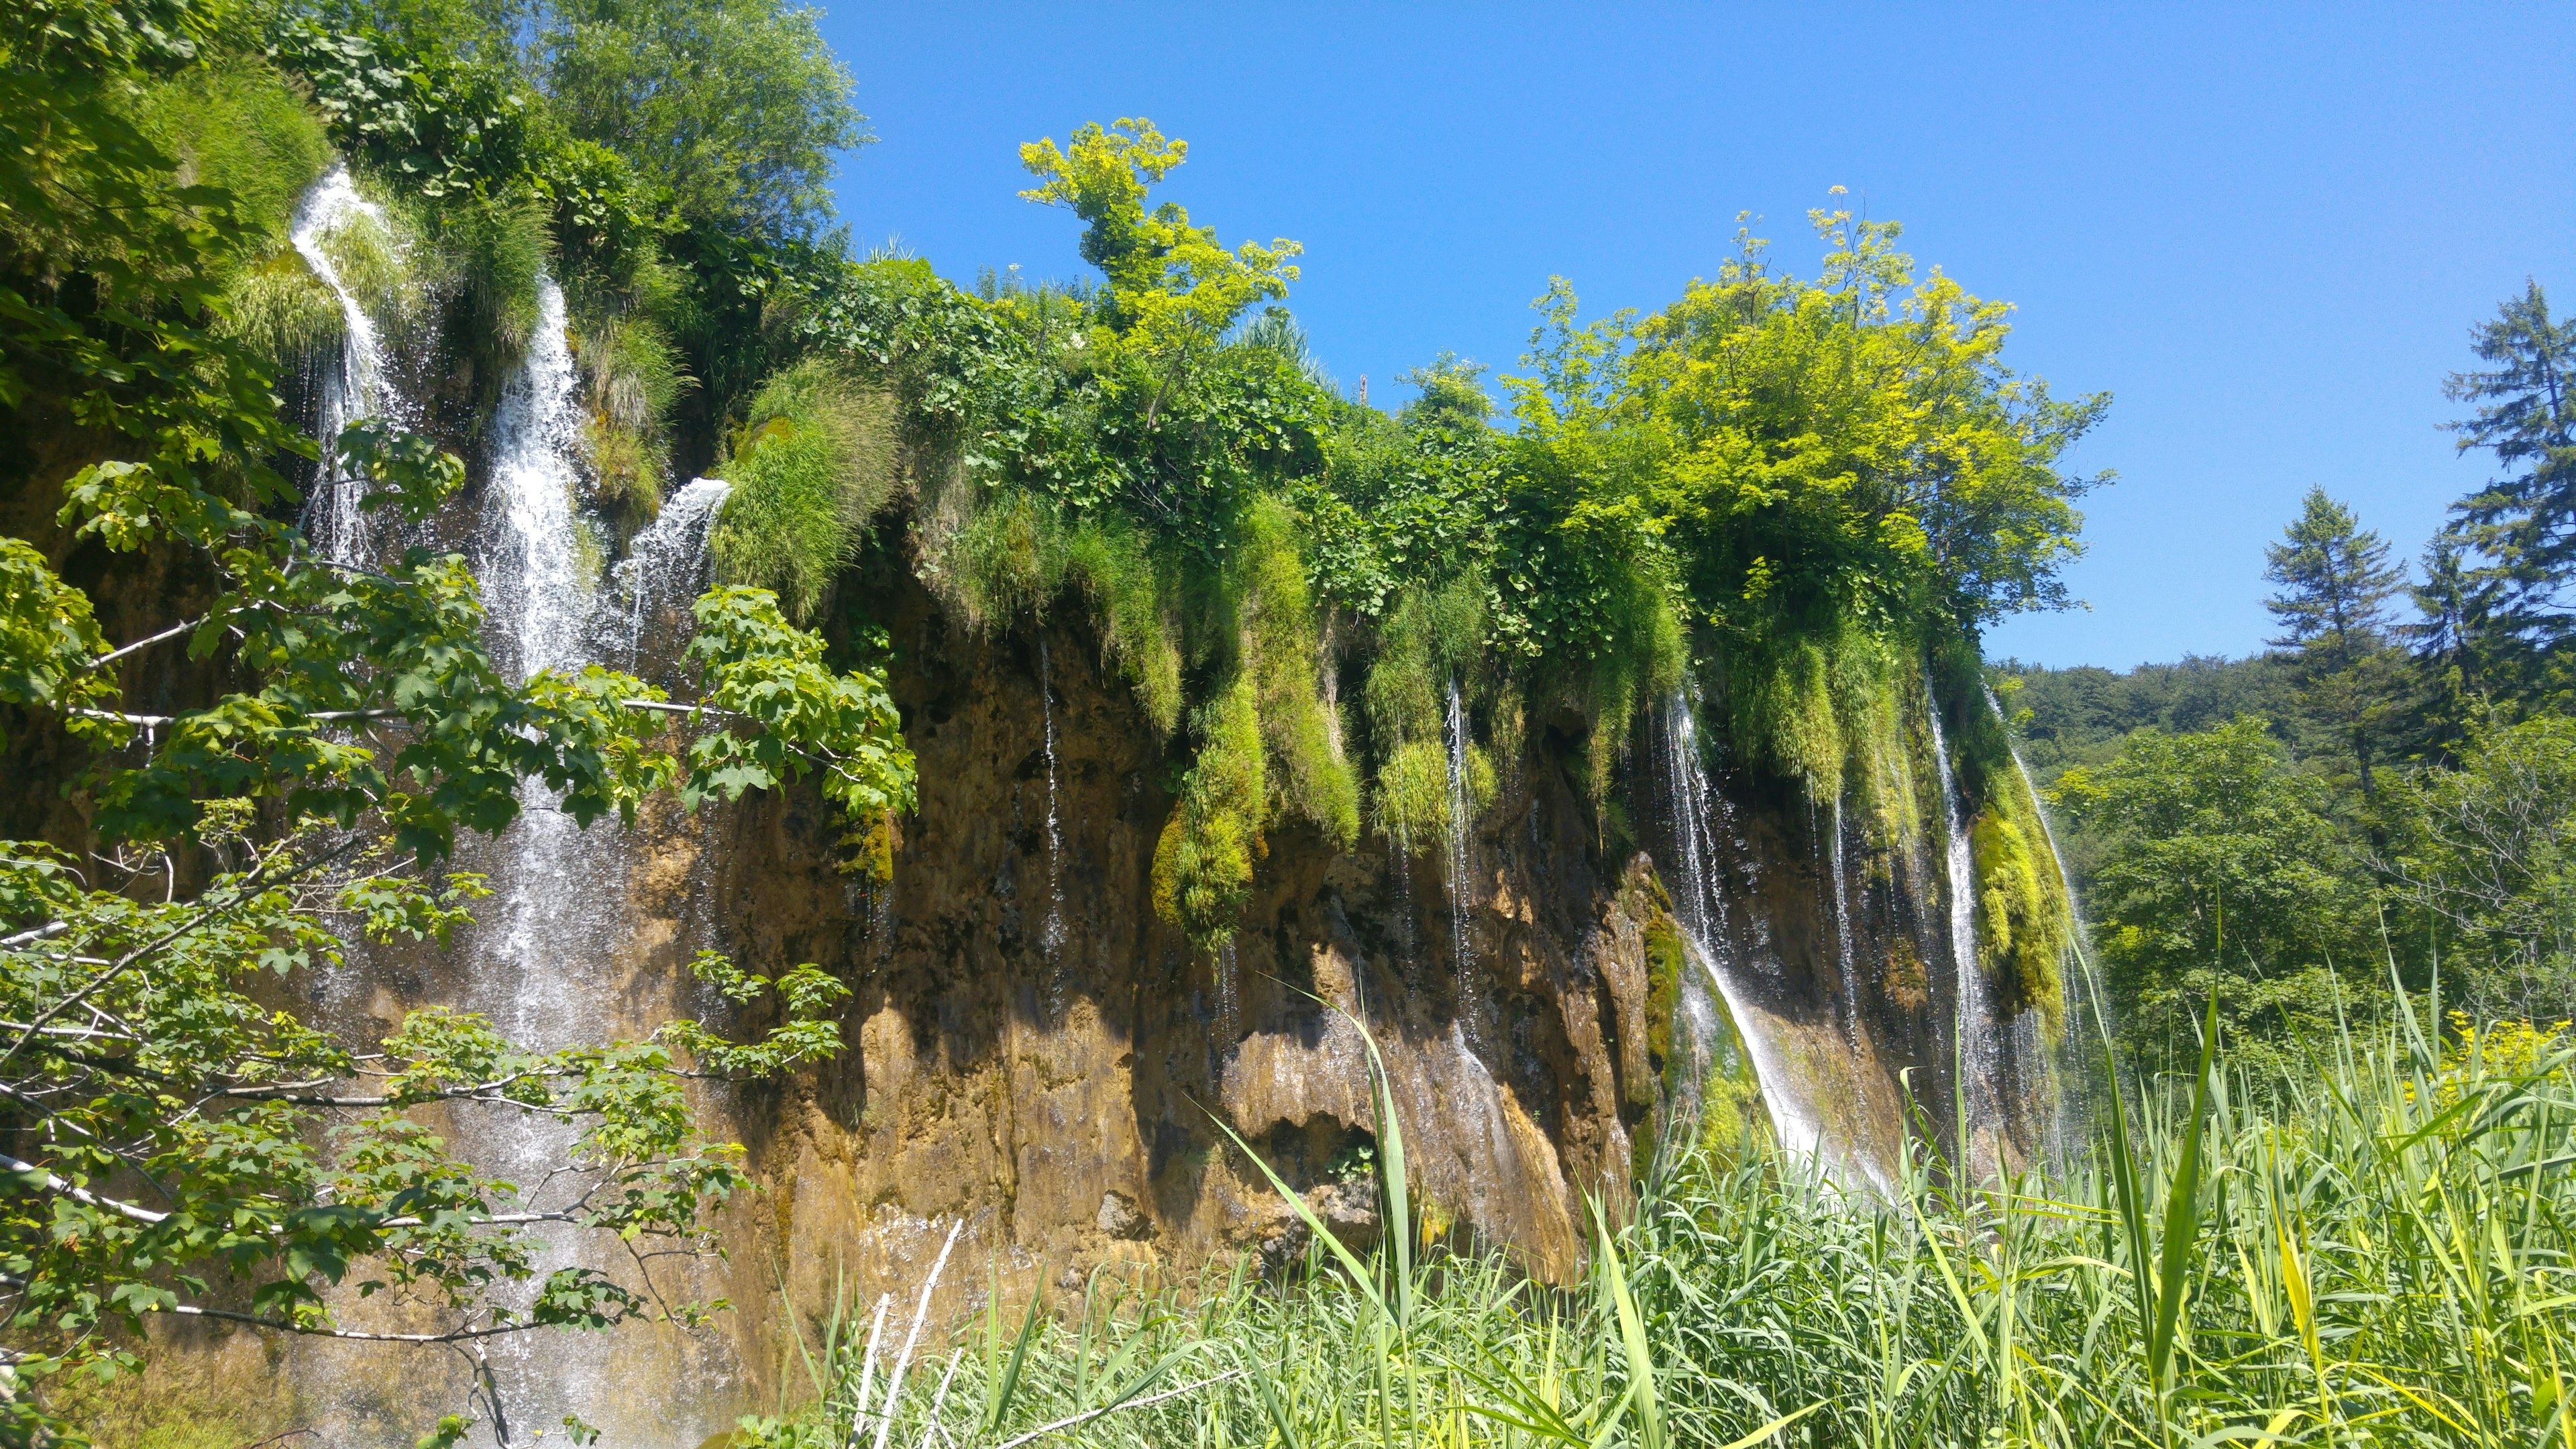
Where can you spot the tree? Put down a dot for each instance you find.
(1173, 290)
(2332, 582)
(2485, 855)
(2221, 870)
(736, 106)
(172, 1139)
(2524, 524)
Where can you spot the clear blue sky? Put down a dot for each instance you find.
(2266, 231)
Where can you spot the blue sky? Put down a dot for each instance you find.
(2265, 230)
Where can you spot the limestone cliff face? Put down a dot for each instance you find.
(1032, 1051)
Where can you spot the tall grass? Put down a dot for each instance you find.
(2376, 1253)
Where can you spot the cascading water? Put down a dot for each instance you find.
(1976, 1063)
(1051, 937)
(1843, 946)
(549, 959)
(354, 386)
(1700, 907)
(1459, 819)
(665, 569)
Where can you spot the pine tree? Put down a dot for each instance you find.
(2524, 524)
(2333, 582)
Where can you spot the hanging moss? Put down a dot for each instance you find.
(1283, 652)
(1203, 864)
(1413, 797)
(284, 311)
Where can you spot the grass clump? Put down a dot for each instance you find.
(811, 466)
(240, 124)
(283, 311)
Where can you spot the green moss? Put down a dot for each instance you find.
(1732, 1123)
(631, 375)
(1203, 864)
(1412, 799)
(491, 252)
(1108, 560)
(1282, 650)
(811, 467)
(2022, 921)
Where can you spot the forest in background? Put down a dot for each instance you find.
(2384, 796)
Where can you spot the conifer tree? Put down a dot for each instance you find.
(2523, 524)
(2332, 583)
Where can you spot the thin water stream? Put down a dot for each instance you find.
(1460, 821)
(354, 383)
(1975, 1047)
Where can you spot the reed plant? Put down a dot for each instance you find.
(2376, 1252)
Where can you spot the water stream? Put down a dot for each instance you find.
(1051, 936)
(665, 569)
(353, 384)
(1699, 902)
(1843, 944)
(1461, 818)
(1975, 1047)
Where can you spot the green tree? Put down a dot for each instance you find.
(2524, 523)
(1173, 288)
(736, 106)
(2331, 585)
(2220, 870)
(2485, 855)
(174, 1141)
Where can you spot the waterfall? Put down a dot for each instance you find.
(1051, 936)
(535, 587)
(1976, 1050)
(552, 959)
(353, 387)
(1460, 812)
(665, 569)
(1843, 936)
(1700, 906)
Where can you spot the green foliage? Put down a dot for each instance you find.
(814, 463)
(282, 312)
(2478, 862)
(239, 124)
(1173, 291)
(2220, 873)
(2523, 525)
(747, 143)
(632, 375)
(2333, 584)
